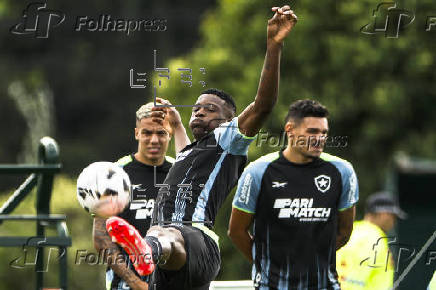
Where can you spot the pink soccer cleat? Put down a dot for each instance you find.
(125, 235)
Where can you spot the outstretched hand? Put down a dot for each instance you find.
(281, 23)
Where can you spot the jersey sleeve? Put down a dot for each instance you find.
(123, 161)
(249, 185)
(350, 187)
(231, 139)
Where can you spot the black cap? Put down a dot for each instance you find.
(383, 201)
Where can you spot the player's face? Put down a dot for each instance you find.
(208, 117)
(308, 138)
(152, 139)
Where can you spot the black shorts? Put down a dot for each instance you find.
(201, 267)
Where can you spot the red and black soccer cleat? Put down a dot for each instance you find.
(128, 237)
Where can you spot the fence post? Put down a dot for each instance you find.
(48, 153)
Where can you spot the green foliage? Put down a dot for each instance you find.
(2, 7)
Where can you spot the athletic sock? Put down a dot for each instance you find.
(156, 249)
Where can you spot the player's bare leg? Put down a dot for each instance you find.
(173, 254)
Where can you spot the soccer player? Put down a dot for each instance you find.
(365, 262)
(153, 131)
(183, 243)
(301, 202)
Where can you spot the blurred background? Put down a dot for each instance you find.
(78, 87)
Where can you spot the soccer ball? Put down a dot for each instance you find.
(103, 189)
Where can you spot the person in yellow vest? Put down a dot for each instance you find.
(432, 285)
(365, 262)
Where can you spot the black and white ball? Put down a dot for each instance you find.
(103, 189)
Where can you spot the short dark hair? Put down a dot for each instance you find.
(224, 96)
(305, 108)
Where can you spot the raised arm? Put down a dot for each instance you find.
(102, 241)
(252, 118)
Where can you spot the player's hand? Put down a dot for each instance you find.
(170, 112)
(281, 23)
(158, 114)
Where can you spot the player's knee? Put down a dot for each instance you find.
(179, 246)
(177, 241)
(154, 231)
(170, 239)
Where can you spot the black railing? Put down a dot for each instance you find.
(41, 175)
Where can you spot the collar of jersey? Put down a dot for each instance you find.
(193, 144)
(165, 166)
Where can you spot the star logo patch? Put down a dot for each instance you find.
(322, 182)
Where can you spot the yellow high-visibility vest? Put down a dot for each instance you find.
(432, 285)
(365, 262)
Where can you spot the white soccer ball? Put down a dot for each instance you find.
(103, 189)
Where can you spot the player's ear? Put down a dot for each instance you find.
(289, 128)
(136, 133)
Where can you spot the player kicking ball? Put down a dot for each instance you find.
(182, 250)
